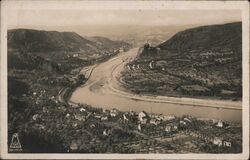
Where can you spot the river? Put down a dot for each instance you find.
(103, 90)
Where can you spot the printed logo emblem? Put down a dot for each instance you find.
(15, 145)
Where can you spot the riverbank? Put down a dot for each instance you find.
(104, 85)
(118, 87)
(59, 127)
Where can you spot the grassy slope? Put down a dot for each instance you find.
(202, 61)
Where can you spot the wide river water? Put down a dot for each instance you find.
(103, 90)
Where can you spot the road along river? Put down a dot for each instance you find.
(103, 90)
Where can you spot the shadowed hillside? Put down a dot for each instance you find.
(216, 37)
(28, 49)
(48, 41)
(40, 65)
(199, 61)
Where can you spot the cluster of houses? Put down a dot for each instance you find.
(155, 119)
(143, 118)
(140, 120)
(133, 67)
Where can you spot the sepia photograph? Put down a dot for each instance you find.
(124, 79)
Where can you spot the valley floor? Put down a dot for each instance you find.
(47, 123)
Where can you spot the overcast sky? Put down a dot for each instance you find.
(60, 18)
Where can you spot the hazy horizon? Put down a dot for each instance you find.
(115, 22)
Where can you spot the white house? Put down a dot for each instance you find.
(217, 141)
(143, 117)
(168, 117)
(133, 67)
(82, 110)
(188, 120)
(183, 122)
(79, 117)
(138, 66)
(139, 127)
(154, 121)
(175, 127)
(35, 117)
(124, 117)
(105, 132)
(113, 112)
(150, 65)
(67, 115)
(97, 116)
(220, 124)
(75, 55)
(227, 144)
(104, 110)
(92, 125)
(128, 67)
(104, 118)
(168, 129)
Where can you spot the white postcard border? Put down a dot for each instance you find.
(174, 5)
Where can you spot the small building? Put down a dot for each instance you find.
(75, 55)
(168, 117)
(82, 110)
(139, 127)
(187, 120)
(150, 65)
(104, 110)
(227, 144)
(183, 122)
(104, 118)
(97, 116)
(143, 117)
(106, 132)
(154, 121)
(92, 125)
(220, 124)
(67, 115)
(168, 129)
(125, 117)
(74, 146)
(217, 141)
(113, 112)
(79, 117)
(175, 127)
(35, 117)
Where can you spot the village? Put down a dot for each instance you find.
(63, 126)
(88, 129)
(59, 126)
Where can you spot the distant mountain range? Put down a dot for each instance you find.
(204, 60)
(30, 49)
(47, 41)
